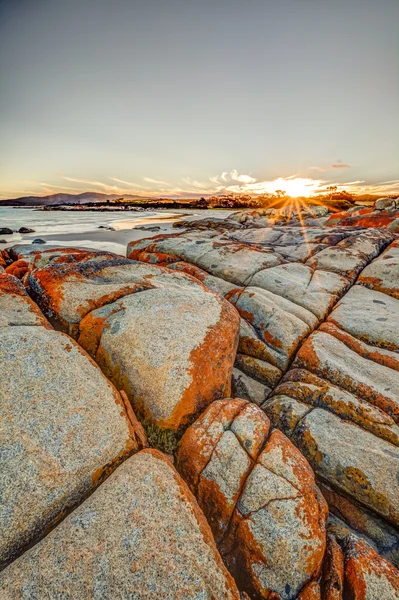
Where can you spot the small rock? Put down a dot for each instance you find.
(26, 230)
(38, 241)
(6, 231)
(384, 203)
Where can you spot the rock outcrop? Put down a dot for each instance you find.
(64, 426)
(161, 336)
(318, 343)
(259, 496)
(295, 315)
(139, 535)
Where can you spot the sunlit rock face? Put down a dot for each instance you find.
(140, 535)
(64, 426)
(297, 323)
(318, 347)
(259, 496)
(161, 336)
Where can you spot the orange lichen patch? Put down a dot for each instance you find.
(366, 572)
(310, 389)
(258, 369)
(357, 346)
(307, 358)
(9, 284)
(137, 428)
(190, 269)
(311, 592)
(200, 439)
(3, 262)
(18, 269)
(215, 356)
(338, 218)
(152, 257)
(377, 219)
(332, 581)
(257, 349)
(91, 328)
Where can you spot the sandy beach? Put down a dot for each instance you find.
(110, 231)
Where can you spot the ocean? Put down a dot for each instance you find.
(86, 228)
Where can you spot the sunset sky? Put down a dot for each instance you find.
(176, 97)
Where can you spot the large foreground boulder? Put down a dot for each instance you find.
(140, 535)
(63, 428)
(259, 496)
(160, 335)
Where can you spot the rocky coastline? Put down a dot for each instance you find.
(214, 415)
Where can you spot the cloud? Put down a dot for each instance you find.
(156, 181)
(129, 183)
(339, 164)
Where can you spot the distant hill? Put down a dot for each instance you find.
(65, 199)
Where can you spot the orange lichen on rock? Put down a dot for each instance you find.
(375, 219)
(367, 575)
(253, 496)
(332, 582)
(389, 359)
(311, 592)
(18, 269)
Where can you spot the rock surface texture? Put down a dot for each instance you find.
(63, 425)
(318, 342)
(140, 535)
(163, 337)
(259, 496)
(261, 352)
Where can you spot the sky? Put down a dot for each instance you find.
(180, 97)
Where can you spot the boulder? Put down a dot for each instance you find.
(25, 230)
(6, 231)
(315, 290)
(243, 386)
(332, 582)
(331, 359)
(380, 219)
(279, 323)
(65, 427)
(160, 335)
(370, 316)
(171, 349)
(139, 535)
(308, 388)
(16, 307)
(352, 460)
(383, 273)
(38, 241)
(384, 203)
(367, 575)
(259, 496)
(354, 517)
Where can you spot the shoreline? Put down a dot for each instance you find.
(111, 232)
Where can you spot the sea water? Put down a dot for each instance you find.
(86, 228)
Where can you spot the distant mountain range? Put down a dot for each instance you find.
(66, 199)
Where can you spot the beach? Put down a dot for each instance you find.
(109, 231)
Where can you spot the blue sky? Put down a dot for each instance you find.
(182, 96)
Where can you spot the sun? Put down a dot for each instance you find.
(297, 186)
